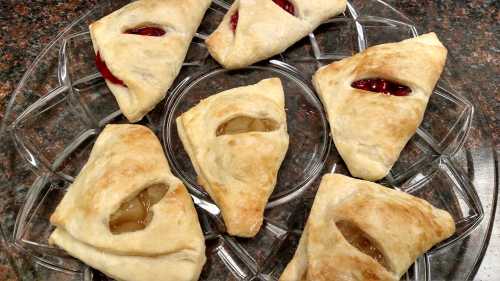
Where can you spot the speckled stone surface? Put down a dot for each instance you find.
(470, 30)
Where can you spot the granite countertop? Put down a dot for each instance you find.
(470, 30)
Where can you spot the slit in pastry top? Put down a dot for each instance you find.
(284, 4)
(146, 30)
(378, 85)
(360, 240)
(246, 124)
(136, 214)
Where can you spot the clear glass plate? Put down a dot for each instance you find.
(62, 103)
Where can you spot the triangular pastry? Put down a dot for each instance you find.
(254, 30)
(376, 100)
(359, 230)
(140, 49)
(236, 141)
(127, 215)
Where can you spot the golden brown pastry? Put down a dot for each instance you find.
(140, 49)
(376, 99)
(127, 215)
(236, 141)
(359, 230)
(254, 30)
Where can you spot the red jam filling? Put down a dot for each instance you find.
(105, 72)
(146, 31)
(285, 4)
(234, 21)
(378, 85)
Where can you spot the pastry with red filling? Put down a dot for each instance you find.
(254, 30)
(140, 49)
(375, 100)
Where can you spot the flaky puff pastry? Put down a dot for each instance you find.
(395, 228)
(147, 65)
(238, 170)
(370, 129)
(264, 29)
(125, 160)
